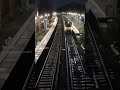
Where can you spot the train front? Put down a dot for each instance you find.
(68, 26)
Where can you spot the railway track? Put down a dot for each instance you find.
(89, 75)
(82, 74)
(78, 78)
(95, 65)
(107, 57)
(47, 76)
(75, 65)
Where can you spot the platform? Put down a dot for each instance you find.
(11, 54)
(75, 30)
(41, 45)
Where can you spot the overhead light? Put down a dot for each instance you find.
(45, 15)
(54, 13)
(35, 18)
(41, 16)
(48, 15)
(37, 14)
(83, 15)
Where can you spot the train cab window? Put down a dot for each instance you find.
(68, 23)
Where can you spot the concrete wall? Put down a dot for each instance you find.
(108, 6)
(0, 15)
(102, 8)
(92, 5)
(10, 8)
(7, 10)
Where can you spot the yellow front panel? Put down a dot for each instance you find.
(68, 28)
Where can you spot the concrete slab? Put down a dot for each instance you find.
(14, 54)
(25, 36)
(6, 65)
(11, 54)
(3, 76)
(16, 37)
(3, 70)
(75, 30)
(10, 60)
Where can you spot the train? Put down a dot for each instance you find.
(68, 25)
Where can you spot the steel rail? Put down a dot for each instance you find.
(100, 57)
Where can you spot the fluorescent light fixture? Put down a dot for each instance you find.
(41, 16)
(54, 13)
(37, 14)
(82, 15)
(48, 15)
(45, 15)
(35, 18)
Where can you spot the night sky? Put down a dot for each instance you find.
(57, 3)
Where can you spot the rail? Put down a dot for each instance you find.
(100, 57)
(49, 68)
